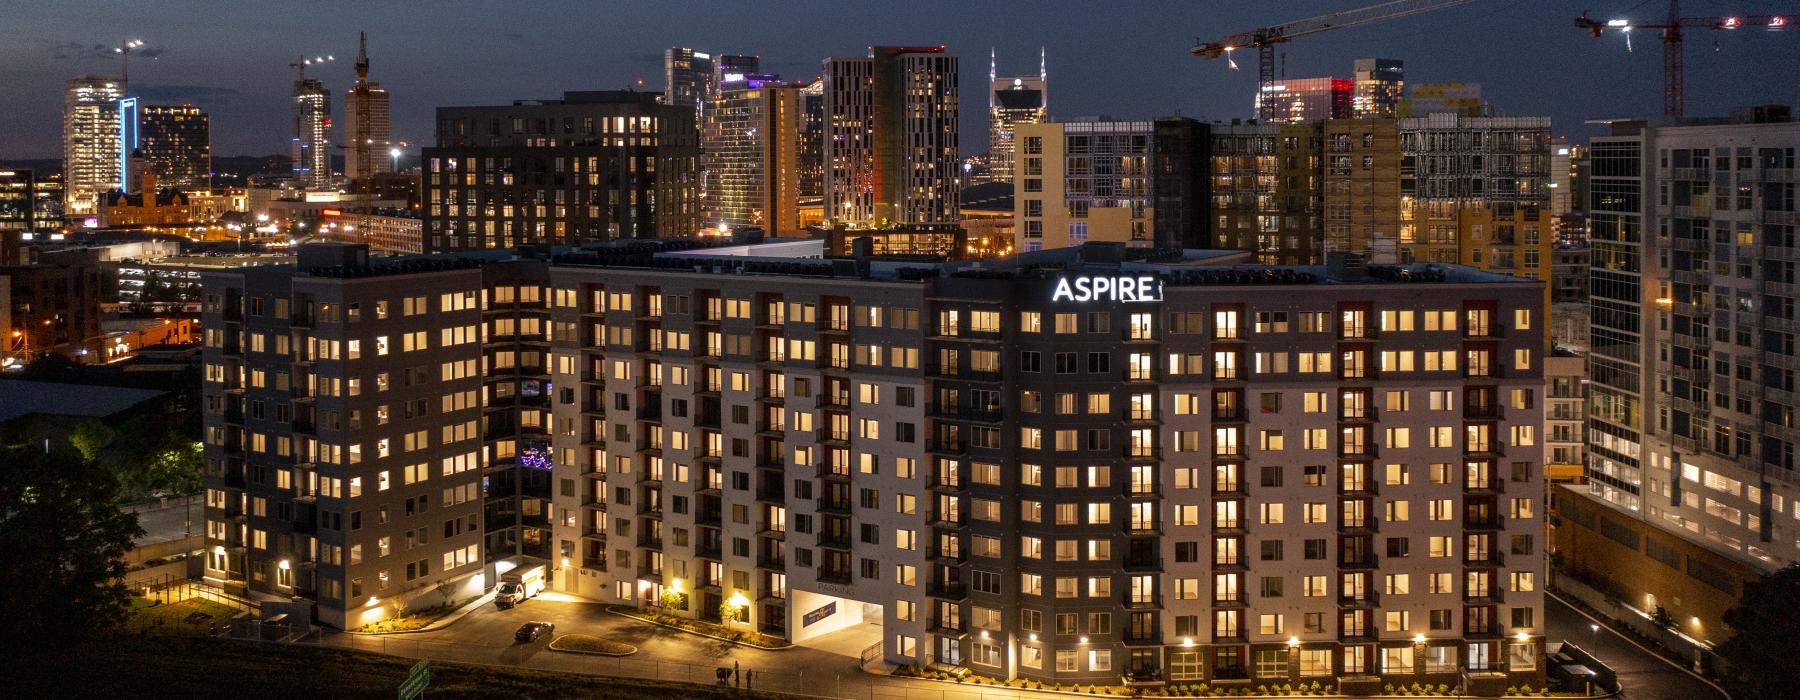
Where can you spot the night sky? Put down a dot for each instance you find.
(1124, 59)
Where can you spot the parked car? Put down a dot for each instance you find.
(531, 631)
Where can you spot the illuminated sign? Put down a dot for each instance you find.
(331, 213)
(1143, 288)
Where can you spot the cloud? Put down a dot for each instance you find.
(204, 95)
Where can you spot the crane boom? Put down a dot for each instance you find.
(1264, 39)
(1674, 72)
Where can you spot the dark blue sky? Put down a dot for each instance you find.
(1126, 59)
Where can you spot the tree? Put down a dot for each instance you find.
(63, 539)
(1766, 630)
(90, 438)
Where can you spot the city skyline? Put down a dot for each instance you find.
(421, 60)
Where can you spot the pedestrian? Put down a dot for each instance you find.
(736, 679)
(747, 678)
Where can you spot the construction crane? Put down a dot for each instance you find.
(303, 62)
(124, 52)
(1673, 71)
(1264, 39)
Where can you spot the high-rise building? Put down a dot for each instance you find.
(731, 68)
(1300, 100)
(1487, 181)
(175, 145)
(892, 136)
(93, 159)
(688, 77)
(752, 149)
(312, 133)
(1063, 200)
(1012, 100)
(18, 204)
(812, 141)
(1263, 192)
(1380, 85)
(1362, 188)
(367, 136)
(592, 166)
(1690, 444)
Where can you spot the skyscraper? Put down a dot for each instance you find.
(366, 133)
(891, 137)
(312, 132)
(175, 144)
(812, 140)
(92, 161)
(751, 144)
(1379, 85)
(1012, 101)
(687, 75)
(732, 68)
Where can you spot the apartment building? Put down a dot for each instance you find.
(1690, 443)
(592, 166)
(1072, 466)
(890, 133)
(1266, 193)
(1083, 181)
(367, 427)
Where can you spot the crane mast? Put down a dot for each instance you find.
(1674, 72)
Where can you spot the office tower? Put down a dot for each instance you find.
(129, 141)
(1380, 85)
(1063, 200)
(1306, 100)
(687, 77)
(891, 137)
(367, 138)
(92, 157)
(175, 145)
(312, 133)
(1690, 443)
(752, 151)
(815, 447)
(18, 203)
(1427, 99)
(1012, 101)
(731, 68)
(1263, 193)
(592, 166)
(1562, 172)
(812, 141)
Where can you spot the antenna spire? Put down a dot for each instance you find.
(362, 56)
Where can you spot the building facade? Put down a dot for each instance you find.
(1083, 181)
(18, 202)
(801, 448)
(751, 143)
(687, 77)
(312, 133)
(891, 137)
(367, 134)
(1300, 100)
(592, 166)
(175, 145)
(1265, 191)
(1012, 100)
(1689, 444)
(1380, 87)
(93, 157)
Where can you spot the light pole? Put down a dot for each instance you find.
(1596, 629)
(395, 154)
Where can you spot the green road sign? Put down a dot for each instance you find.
(416, 680)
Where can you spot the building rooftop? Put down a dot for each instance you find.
(22, 398)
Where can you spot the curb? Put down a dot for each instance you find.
(1147, 696)
(621, 613)
(552, 646)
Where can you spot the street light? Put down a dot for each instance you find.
(395, 153)
(1596, 629)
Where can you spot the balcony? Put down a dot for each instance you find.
(1366, 561)
(833, 576)
(951, 590)
(834, 540)
(765, 561)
